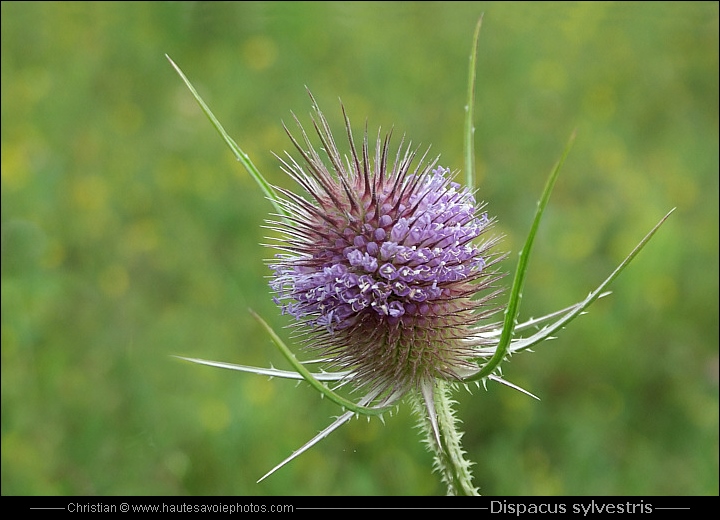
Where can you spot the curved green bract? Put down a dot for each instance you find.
(577, 309)
(317, 385)
(240, 155)
(513, 308)
(470, 113)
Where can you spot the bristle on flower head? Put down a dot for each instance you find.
(379, 264)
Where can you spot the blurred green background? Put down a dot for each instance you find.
(129, 233)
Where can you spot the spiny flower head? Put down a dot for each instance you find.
(384, 271)
(380, 264)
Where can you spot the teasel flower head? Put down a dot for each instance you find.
(385, 264)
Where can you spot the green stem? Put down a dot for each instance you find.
(450, 459)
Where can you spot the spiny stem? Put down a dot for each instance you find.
(449, 455)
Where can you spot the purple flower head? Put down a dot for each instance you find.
(381, 262)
